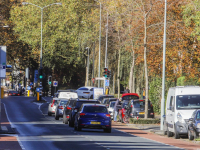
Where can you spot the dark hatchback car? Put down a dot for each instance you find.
(194, 125)
(14, 93)
(108, 100)
(101, 97)
(67, 110)
(75, 108)
(93, 116)
(137, 109)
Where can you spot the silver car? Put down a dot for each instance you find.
(59, 108)
(52, 106)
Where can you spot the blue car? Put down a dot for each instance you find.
(93, 116)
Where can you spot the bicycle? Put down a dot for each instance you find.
(126, 116)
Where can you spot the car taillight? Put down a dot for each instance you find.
(60, 107)
(151, 113)
(69, 108)
(52, 103)
(17, 94)
(82, 114)
(107, 115)
(67, 116)
(131, 106)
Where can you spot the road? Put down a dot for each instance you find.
(37, 130)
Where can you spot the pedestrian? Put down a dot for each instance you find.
(127, 90)
(116, 108)
(143, 94)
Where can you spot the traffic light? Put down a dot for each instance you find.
(105, 73)
(108, 74)
(41, 73)
(49, 80)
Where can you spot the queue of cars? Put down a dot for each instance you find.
(82, 112)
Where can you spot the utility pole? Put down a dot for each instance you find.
(106, 42)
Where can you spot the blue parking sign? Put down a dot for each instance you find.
(106, 82)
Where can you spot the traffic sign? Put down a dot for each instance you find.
(28, 87)
(55, 83)
(38, 89)
(106, 82)
(99, 78)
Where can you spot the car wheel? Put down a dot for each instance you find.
(107, 130)
(49, 114)
(176, 135)
(56, 117)
(169, 134)
(190, 136)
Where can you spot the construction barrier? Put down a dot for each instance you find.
(2, 92)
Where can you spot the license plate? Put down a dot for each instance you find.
(86, 92)
(141, 113)
(92, 122)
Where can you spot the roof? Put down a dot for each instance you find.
(126, 94)
(87, 100)
(105, 95)
(88, 104)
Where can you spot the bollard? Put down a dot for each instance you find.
(28, 93)
(2, 92)
(38, 96)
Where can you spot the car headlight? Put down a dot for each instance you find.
(179, 117)
(198, 125)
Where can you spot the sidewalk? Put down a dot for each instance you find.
(8, 140)
(153, 132)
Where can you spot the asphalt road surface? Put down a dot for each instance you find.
(37, 130)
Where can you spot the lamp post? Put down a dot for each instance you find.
(99, 43)
(87, 64)
(27, 3)
(163, 76)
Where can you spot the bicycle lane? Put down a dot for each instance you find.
(158, 138)
(7, 141)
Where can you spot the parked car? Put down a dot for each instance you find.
(111, 109)
(59, 108)
(14, 93)
(101, 97)
(93, 116)
(85, 92)
(52, 106)
(136, 109)
(67, 109)
(75, 108)
(129, 96)
(194, 125)
(181, 102)
(122, 110)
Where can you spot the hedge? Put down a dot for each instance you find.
(144, 121)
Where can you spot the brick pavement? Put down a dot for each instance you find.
(8, 140)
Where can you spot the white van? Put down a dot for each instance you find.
(67, 95)
(182, 101)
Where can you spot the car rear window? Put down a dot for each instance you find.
(63, 102)
(95, 109)
(86, 89)
(140, 104)
(112, 104)
(78, 104)
(129, 97)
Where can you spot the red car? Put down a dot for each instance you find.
(125, 100)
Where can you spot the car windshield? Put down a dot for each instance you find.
(112, 104)
(63, 102)
(78, 104)
(95, 109)
(129, 97)
(124, 104)
(188, 102)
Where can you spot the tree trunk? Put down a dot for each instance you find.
(118, 75)
(132, 78)
(145, 67)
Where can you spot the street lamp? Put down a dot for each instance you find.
(99, 42)
(27, 3)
